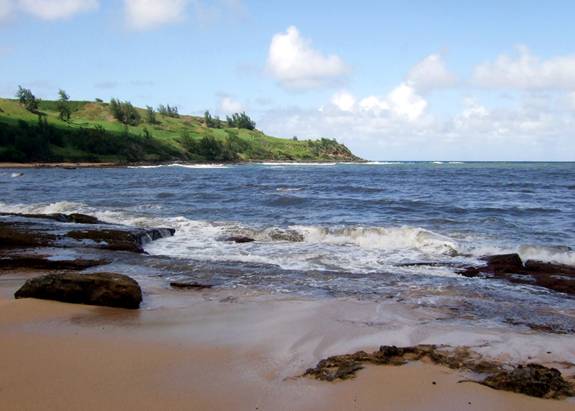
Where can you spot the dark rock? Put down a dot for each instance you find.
(121, 240)
(190, 286)
(13, 235)
(62, 218)
(504, 264)
(536, 267)
(240, 239)
(470, 272)
(533, 379)
(106, 289)
(42, 263)
(556, 277)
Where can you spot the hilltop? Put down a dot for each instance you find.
(93, 134)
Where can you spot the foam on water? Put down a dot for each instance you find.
(345, 248)
(208, 166)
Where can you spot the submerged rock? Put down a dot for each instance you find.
(239, 239)
(106, 289)
(532, 379)
(190, 286)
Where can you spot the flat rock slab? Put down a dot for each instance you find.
(105, 289)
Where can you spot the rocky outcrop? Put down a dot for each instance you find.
(55, 230)
(533, 379)
(38, 262)
(105, 289)
(510, 267)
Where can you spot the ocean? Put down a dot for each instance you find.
(375, 231)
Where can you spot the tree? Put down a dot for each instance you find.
(124, 112)
(168, 111)
(64, 106)
(212, 122)
(27, 99)
(241, 120)
(151, 115)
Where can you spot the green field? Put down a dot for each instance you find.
(93, 135)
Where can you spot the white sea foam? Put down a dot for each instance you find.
(296, 164)
(358, 249)
(437, 162)
(184, 166)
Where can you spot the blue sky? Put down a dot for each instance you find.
(417, 80)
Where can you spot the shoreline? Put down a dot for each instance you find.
(72, 165)
(169, 354)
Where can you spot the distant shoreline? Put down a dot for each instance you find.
(124, 165)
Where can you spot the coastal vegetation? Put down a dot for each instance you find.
(65, 130)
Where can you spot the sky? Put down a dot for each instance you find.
(393, 80)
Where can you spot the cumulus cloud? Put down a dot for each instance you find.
(525, 71)
(55, 9)
(296, 65)
(402, 102)
(148, 14)
(228, 105)
(431, 73)
(535, 128)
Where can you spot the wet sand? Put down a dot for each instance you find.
(212, 350)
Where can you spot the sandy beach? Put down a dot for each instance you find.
(213, 350)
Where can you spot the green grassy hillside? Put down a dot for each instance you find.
(92, 134)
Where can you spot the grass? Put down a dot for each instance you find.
(166, 134)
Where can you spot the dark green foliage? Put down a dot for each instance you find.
(212, 122)
(241, 120)
(151, 115)
(168, 111)
(124, 112)
(214, 150)
(27, 99)
(64, 109)
(98, 100)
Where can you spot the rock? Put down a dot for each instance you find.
(470, 272)
(239, 239)
(533, 379)
(535, 267)
(13, 235)
(121, 240)
(42, 263)
(106, 289)
(190, 286)
(556, 277)
(504, 264)
(63, 218)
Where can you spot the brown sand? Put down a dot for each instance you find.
(59, 165)
(206, 351)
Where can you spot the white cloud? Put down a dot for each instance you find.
(536, 128)
(148, 14)
(344, 101)
(431, 73)
(402, 102)
(228, 105)
(527, 72)
(57, 9)
(297, 65)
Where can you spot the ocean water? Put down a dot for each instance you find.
(380, 230)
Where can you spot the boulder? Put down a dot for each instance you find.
(106, 289)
